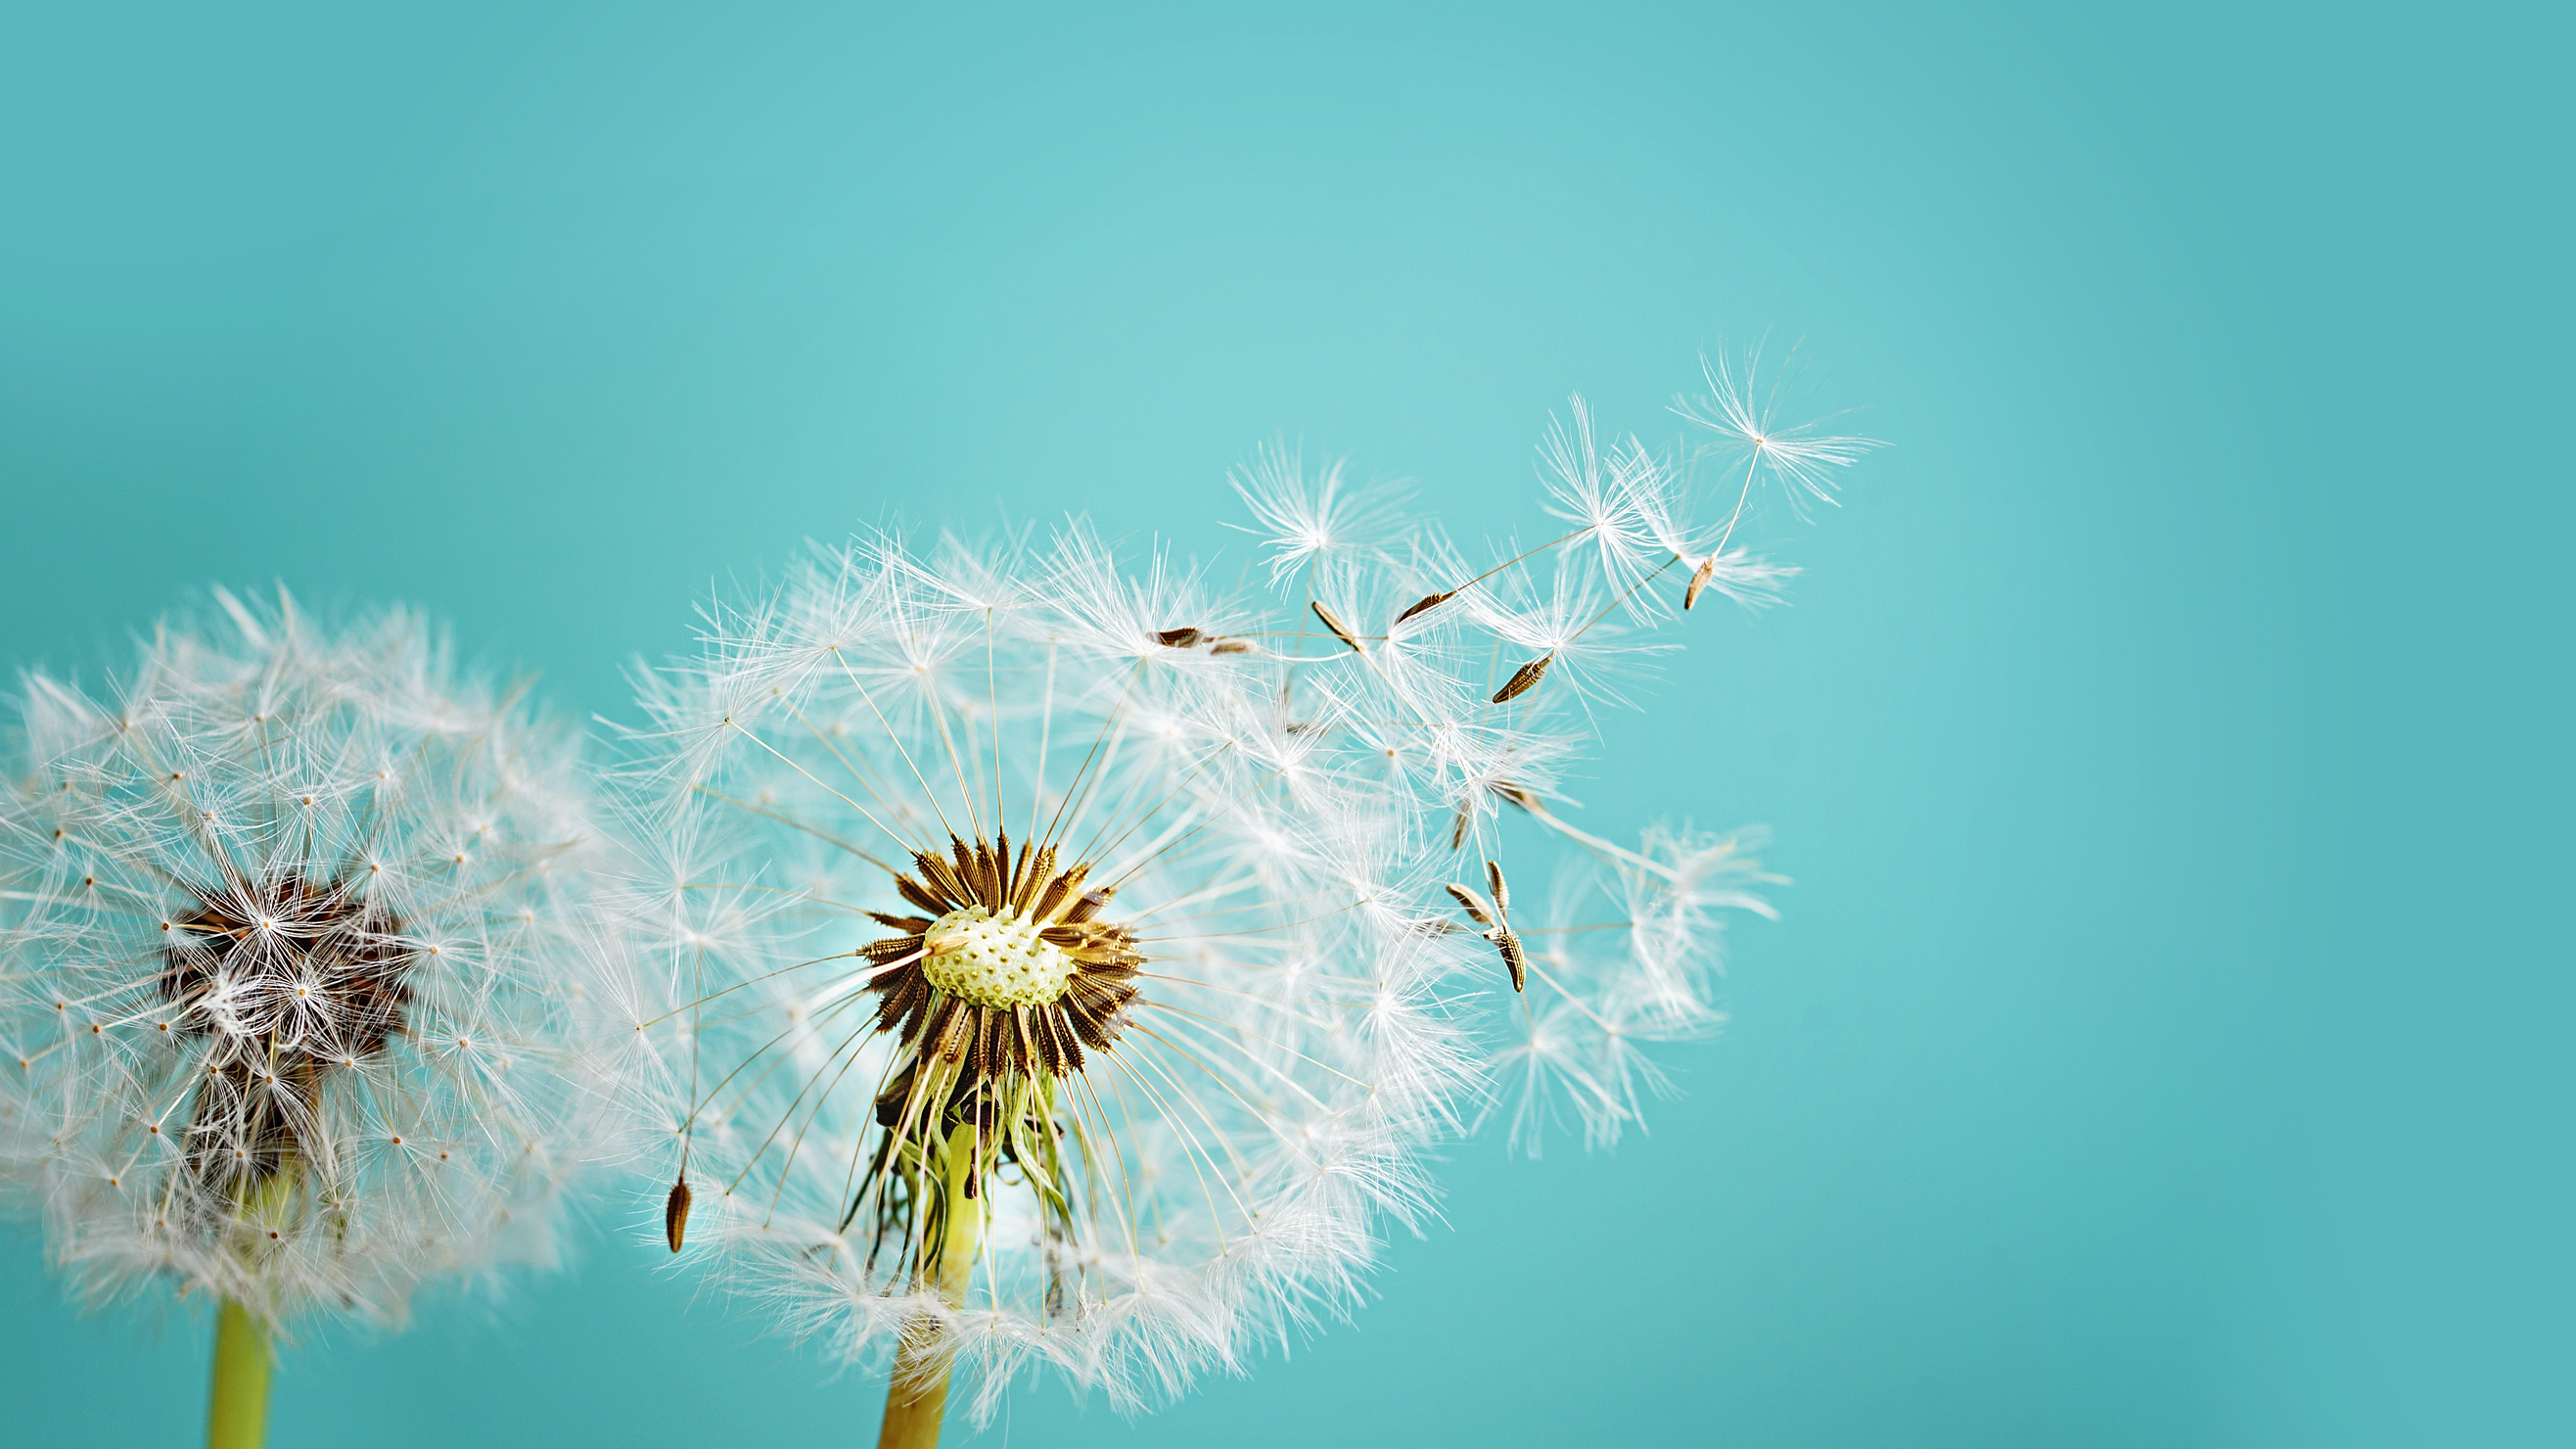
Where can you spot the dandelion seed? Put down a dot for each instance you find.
(1474, 905)
(1698, 581)
(1515, 960)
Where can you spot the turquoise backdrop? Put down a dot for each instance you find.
(2166, 1040)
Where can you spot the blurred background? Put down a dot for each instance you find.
(2166, 1039)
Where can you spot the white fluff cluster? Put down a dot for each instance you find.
(1478, 676)
(1301, 966)
(287, 930)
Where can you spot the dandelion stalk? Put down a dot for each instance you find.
(918, 1394)
(237, 1412)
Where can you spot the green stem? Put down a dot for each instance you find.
(918, 1396)
(237, 1413)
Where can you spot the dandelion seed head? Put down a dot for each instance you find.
(201, 863)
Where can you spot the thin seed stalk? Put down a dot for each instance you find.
(237, 1409)
(918, 1395)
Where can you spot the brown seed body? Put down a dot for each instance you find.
(1473, 904)
(1698, 581)
(675, 1213)
(1340, 630)
(1515, 960)
(1524, 679)
(1429, 601)
(1178, 638)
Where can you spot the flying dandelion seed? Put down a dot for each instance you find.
(287, 1012)
(1743, 410)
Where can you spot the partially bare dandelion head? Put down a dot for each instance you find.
(1029, 906)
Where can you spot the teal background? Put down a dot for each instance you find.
(2165, 1043)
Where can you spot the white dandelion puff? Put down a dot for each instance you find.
(286, 1010)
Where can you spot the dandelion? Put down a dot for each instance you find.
(285, 1013)
(1057, 962)
(1035, 989)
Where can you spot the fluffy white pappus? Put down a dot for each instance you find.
(1631, 953)
(1022, 904)
(1753, 437)
(1479, 689)
(291, 968)
(1325, 520)
(1478, 672)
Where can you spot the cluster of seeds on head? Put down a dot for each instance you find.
(287, 981)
